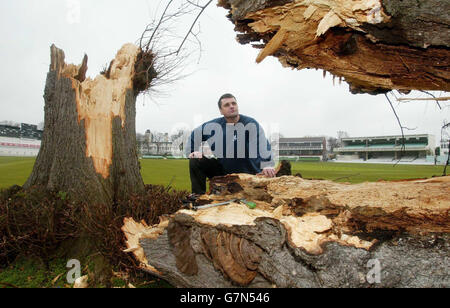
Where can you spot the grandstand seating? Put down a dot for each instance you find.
(309, 148)
(299, 158)
(30, 132)
(9, 131)
(386, 148)
(25, 131)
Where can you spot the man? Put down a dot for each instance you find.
(238, 143)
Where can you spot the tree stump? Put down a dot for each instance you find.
(89, 143)
(303, 233)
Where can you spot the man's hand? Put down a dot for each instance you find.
(269, 172)
(195, 155)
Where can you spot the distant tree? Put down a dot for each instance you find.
(140, 138)
(179, 134)
(159, 139)
(332, 143)
(340, 136)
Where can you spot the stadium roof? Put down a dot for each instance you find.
(387, 137)
(303, 139)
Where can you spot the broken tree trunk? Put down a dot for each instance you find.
(303, 233)
(376, 46)
(89, 144)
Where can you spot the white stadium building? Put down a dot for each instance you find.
(413, 148)
(23, 140)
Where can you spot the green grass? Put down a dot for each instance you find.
(30, 273)
(166, 172)
(14, 171)
(358, 173)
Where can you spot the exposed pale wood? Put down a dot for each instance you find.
(81, 283)
(273, 45)
(375, 45)
(134, 232)
(424, 99)
(89, 141)
(307, 233)
(99, 101)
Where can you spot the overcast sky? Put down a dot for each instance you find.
(300, 103)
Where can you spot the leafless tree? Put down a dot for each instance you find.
(332, 143)
(340, 136)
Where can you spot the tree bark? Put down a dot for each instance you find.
(89, 143)
(303, 233)
(376, 46)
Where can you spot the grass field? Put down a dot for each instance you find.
(30, 273)
(14, 171)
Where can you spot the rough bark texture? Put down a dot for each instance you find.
(304, 233)
(89, 144)
(376, 46)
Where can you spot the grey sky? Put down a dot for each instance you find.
(301, 102)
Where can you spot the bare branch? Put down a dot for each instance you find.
(346, 177)
(194, 4)
(161, 38)
(432, 95)
(193, 24)
(446, 98)
(403, 150)
(157, 26)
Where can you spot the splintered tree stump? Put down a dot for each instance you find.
(374, 45)
(303, 233)
(89, 144)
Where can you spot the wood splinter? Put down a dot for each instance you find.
(273, 45)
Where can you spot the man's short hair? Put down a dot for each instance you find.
(228, 95)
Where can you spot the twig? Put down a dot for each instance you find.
(8, 285)
(194, 4)
(346, 177)
(161, 39)
(405, 99)
(157, 26)
(193, 24)
(432, 95)
(403, 150)
(169, 186)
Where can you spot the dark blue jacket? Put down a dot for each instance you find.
(247, 156)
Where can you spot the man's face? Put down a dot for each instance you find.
(229, 108)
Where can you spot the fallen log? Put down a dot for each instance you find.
(374, 45)
(303, 233)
